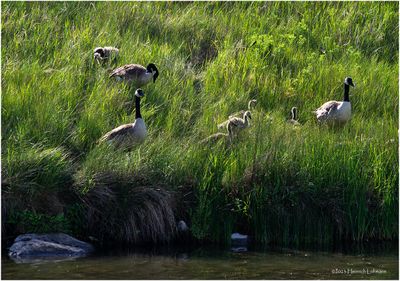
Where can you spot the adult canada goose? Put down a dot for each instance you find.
(128, 134)
(293, 120)
(337, 111)
(239, 124)
(250, 106)
(104, 53)
(219, 136)
(136, 74)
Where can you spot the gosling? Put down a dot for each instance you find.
(250, 106)
(105, 53)
(238, 124)
(219, 136)
(293, 120)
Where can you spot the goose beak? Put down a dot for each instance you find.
(353, 85)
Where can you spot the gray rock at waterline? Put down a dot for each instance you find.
(55, 245)
(238, 239)
(182, 226)
(239, 249)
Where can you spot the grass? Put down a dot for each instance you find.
(281, 184)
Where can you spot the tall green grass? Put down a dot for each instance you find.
(281, 184)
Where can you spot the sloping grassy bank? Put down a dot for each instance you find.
(281, 184)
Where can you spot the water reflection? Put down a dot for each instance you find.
(212, 263)
(42, 259)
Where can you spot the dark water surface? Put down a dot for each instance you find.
(208, 263)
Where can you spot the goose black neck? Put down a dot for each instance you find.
(137, 104)
(346, 92)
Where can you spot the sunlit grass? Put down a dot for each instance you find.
(278, 183)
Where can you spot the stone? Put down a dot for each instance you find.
(239, 249)
(238, 239)
(182, 226)
(57, 245)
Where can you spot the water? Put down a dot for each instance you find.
(206, 263)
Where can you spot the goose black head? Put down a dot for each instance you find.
(247, 114)
(98, 53)
(252, 104)
(139, 93)
(153, 69)
(349, 81)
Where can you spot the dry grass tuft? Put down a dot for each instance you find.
(118, 210)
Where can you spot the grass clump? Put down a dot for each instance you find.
(281, 184)
(33, 177)
(119, 211)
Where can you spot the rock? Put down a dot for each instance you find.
(57, 245)
(183, 257)
(182, 227)
(239, 249)
(238, 239)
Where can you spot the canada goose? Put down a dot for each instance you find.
(335, 111)
(293, 120)
(104, 53)
(128, 134)
(219, 136)
(250, 106)
(136, 74)
(238, 124)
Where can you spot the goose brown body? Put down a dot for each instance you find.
(136, 74)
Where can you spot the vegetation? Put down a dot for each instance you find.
(281, 184)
